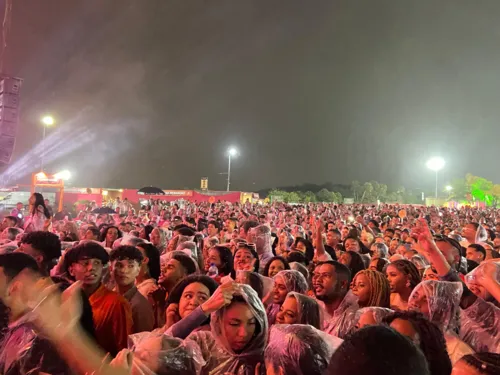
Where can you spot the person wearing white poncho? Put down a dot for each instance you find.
(284, 282)
(238, 336)
(439, 301)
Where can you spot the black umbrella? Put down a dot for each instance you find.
(104, 210)
(150, 190)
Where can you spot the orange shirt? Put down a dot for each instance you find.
(112, 319)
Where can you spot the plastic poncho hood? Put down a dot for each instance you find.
(290, 346)
(217, 352)
(443, 302)
(156, 353)
(294, 282)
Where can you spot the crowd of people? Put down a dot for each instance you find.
(221, 288)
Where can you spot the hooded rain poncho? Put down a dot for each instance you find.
(159, 354)
(292, 345)
(295, 282)
(220, 358)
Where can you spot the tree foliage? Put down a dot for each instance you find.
(465, 190)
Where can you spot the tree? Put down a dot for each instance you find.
(337, 198)
(367, 195)
(495, 194)
(293, 197)
(379, 191)
(357, 190)
(480, 188)
(309, 197)
(324, 195)
(276, 195)
(459, 189)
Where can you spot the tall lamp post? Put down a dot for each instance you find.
(436, 164)
(47, 121)
(232, 152)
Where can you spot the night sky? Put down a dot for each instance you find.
(153, 92)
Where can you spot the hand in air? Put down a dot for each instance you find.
(426, 244)
(221, 297)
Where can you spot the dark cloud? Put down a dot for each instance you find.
(309, 91)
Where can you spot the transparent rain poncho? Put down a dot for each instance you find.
(443, 301)
(294, 282)
(377, 315)
(300, 349)
(308, 310)
(220, 358)
(249, 278)
(159, 354)
(473, 279)
(480, 326)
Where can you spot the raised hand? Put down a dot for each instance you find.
(221, 297)
(426, 245)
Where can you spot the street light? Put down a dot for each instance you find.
(230, 153)
(436, 164)
(47, 121)
(449, 188)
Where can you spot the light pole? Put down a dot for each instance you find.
(436, 164)
(46, 122)
(230, 153)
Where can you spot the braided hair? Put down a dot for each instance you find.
(484, 363)
(408, 269)
(430, 340)
(380, 290)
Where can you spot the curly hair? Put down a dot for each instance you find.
(430, 340)
(380, 290)
(268, 264)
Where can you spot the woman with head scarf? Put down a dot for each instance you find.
(284, 282)
(439, 302)
(238, 336)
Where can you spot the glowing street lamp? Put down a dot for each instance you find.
(47, 121)
(449, 188)
(436, 164)
(232, 152)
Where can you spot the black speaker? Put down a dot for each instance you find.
(10, 89)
